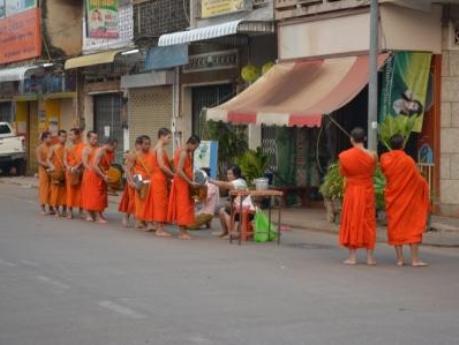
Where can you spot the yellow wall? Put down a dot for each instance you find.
(22, 112)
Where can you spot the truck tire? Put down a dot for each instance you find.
(20, 166)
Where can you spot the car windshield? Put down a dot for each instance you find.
(4, 129)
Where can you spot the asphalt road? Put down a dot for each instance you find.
(72, 283)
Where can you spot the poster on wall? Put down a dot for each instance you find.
(125, 37)
(102, 18)
(206, 156)
(17, 6)
(20, 37)
(210, 8)
(405, 86)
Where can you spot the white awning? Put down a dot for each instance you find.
(92, 59)
(215, 31)
(17, 73)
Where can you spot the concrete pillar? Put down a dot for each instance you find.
(254, 134)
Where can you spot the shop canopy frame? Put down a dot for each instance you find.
(19, 73)
(298, 93)
(216, 31)
(92, 59)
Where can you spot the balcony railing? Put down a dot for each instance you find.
(294, 8)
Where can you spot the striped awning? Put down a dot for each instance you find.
(298, 93)
(215, 31)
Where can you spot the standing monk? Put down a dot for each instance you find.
(143, 166)
(42, 153)
(88, 154)
(96, 200)
(358, 220)
(73, 160)
(181, 203)
(57, 168)
(162, 173)
(127, 203)
(407, 201)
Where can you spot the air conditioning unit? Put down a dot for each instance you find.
(453, 35)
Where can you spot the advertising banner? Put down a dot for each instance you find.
(20, 37)
(210, 8)
(102, 18)
(125, 32)
(404, 86)
(2, 8)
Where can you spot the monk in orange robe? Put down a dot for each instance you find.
(143, 167)
(127, 203)
(181, 204)
(162, 173)
(42, 153)
(96, 200)
(57, 170)
(407, 201)
(73, 160)
(358, 219)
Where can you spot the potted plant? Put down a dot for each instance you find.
(253, 164)
(332, 189)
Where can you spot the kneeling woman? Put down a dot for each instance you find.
(235, 182)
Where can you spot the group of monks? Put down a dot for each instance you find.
(76, 176)
(406, 200)
(159, 192)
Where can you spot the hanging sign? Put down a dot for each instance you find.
(13, 7)
(20, 36)
(102, 18)
(210, 8)
(405, 85)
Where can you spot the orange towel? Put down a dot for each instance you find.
(144, 166)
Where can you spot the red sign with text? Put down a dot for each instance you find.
(20, 37)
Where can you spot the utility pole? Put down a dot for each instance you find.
(373, 82)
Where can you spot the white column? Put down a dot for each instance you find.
(254, 134)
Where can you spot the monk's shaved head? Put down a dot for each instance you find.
(396, 142)
(358, 135)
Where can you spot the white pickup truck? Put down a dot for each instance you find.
(12, 150)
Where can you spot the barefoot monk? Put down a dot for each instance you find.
(181, 203)
(358, 220)
(407, 201)
(57, 172)
(161, 175)
(42, 153)
(74, 165)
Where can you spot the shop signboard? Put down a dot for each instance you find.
(211, 8)
(2, 8)
(405, 86)
(102, 18)
(13, 7)
(20, 37)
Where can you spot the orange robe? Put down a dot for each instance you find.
(58, 190)
(43, 177)
(358, 217)
(127, 203)
(407, 199)
(159, 196)
(74, 157)
(181, 203)
(94, 187)
(144, 166)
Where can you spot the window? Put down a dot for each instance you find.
(5, 129)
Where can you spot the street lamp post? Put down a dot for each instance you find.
(373, 82)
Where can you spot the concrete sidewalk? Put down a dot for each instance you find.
(445, 230)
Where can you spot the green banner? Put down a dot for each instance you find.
(404, 86)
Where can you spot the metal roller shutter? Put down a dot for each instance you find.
(149, 110)
(107, 113)
(6, 113)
